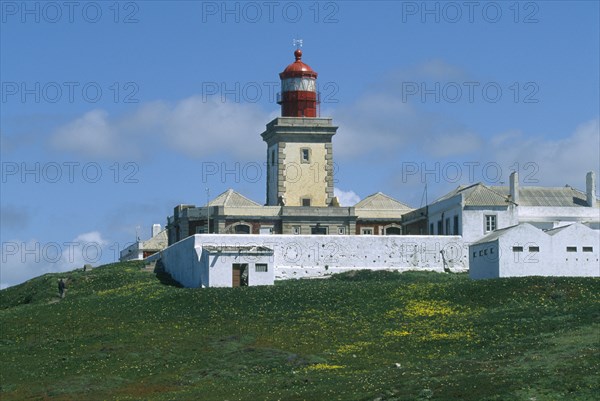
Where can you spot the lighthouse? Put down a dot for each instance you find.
(298, 96)
(299, 147)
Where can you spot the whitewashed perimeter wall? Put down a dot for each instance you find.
(298, 256)
(182, 261)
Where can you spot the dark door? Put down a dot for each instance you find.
(239, 275)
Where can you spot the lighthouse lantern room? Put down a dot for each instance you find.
(299, 96)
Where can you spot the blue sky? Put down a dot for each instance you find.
(112, 113)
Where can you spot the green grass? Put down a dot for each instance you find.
(122, 334)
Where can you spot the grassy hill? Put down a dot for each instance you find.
(122, 334)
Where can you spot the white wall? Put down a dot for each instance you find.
(220, 269)
(577, 263)
(262, 278)
(315, 256)
(484, 261)
(182, 261)
(558, 216)
(528, 262)
(551, 260)
(474, 221)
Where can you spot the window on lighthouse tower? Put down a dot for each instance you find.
(305, 155)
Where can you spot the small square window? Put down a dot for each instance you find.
(341, 230)
(296, 230)
(571, 249)
(261, 267)
(306, 202)
(534, 249)
(588, 249)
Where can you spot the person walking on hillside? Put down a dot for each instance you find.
(61, 288)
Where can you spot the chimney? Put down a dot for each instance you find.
(155, 229)
(590, 188)
(514, 187)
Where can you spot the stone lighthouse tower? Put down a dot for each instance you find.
(299, 148)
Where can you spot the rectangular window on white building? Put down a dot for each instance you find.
(534, 249)
(517, 249)
(261, 267)
(456, 232)
(490, 222)
(571, 249)
(588, 249)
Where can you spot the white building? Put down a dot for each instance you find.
(142, 249)
(524, 250)
(194, 264)
(476, 210)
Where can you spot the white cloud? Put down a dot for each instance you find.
(386, 125)
(551, 162)
(23, 260)
(197, 127)
(346, 198)
(93, 135)
(453, 144)
(377, 122)
(194, 126)
(387, 120)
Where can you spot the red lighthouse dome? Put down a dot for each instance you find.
(299, 96)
